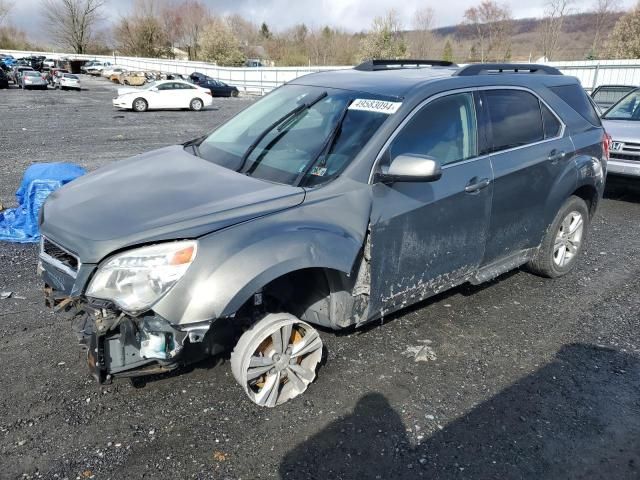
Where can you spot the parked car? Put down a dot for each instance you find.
(198, 78)
(219, 89)
(7, 59)
(107, 72)
(163, 94)
(18, 70)
(68, 81)
(31, 79)
(335, 200)
(607, 95)
(179, 76)
(114, 76)
(253, 63)
(622, 122)
(54, 75)
(134, 79)
(97, 67)
(48, 64)
(4, 79)
(83, 68)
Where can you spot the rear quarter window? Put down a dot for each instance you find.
(575, 96)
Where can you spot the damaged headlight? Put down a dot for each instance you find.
(136, 279)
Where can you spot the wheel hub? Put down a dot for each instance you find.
(281, 361)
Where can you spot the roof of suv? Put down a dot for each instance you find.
(399, 82)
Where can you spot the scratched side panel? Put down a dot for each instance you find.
(426, 237)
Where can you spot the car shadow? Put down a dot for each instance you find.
(622, 188)
(576, 417)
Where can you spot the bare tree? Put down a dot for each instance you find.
(551, 26)
(142, 32)
(195, 16)
(72, 23)
(491, 22)
(5, 10)
(604, 11)
(173, 25)
(421, 39)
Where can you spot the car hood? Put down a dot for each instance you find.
(161, 195)
(623, 130)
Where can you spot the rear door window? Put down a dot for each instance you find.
(515, 119)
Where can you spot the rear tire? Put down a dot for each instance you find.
(564, 240)
(139, 105)
(196, 105)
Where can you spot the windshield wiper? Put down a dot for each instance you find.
(328, 144)
(289, 115)
(195, 145)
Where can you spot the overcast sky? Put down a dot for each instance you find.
(353, 15)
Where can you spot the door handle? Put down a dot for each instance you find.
(475, 184)
(555, 156)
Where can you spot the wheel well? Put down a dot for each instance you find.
(590, 195)
(303, 293)
(321, 296)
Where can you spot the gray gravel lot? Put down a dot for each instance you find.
(524, 377)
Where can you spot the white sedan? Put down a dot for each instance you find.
(163, 94)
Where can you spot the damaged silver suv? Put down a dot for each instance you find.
(335, 200)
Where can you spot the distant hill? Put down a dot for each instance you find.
(576, 39)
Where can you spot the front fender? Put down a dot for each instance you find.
(234, 263)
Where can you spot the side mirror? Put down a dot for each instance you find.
(154, 89)
(411, 168)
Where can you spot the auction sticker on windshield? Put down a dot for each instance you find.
(379, 106)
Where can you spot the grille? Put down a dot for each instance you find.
(57, 253)
(623, 156)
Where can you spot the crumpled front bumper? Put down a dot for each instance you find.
(118, 345)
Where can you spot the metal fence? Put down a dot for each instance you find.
(264, 79)
(602, 72)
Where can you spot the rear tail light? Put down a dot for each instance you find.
(208, 92)
(606, 144)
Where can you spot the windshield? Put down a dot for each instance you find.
(626, 109)
(282, 139)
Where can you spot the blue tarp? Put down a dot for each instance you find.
(21, 224)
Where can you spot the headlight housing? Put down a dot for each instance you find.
(136, 279)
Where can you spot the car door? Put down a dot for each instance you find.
(528, 156)
(187, 93)
(426, 237)
(166, 96)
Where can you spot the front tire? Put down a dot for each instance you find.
(196, 105)
(139, 105)
(276, 359)
(564, 240)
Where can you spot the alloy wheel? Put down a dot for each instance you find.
(569, 239)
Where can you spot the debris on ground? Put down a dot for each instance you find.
(421, 353)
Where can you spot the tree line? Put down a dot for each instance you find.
(167, 28)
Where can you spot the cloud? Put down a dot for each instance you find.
(352, 15)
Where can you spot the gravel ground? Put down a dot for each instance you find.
(520, 378)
